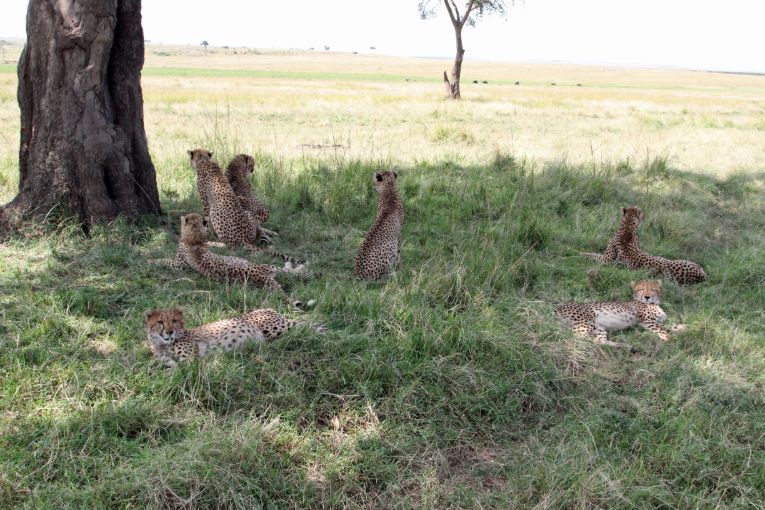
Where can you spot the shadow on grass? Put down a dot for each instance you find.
(436, 388)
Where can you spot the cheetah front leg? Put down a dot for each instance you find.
(179, 262)
(655, 328)
(273, 285)
(600, 337)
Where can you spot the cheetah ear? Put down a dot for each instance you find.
(632, 284)
(209, 154)
(378, 177)
(146, 314)
(624, 211)
(190, 153)
(659, 282)
(184, 220)
(395, 175)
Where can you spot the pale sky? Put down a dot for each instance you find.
(697, 34)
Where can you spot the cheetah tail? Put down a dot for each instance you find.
(274, 253)
(318, 328)
(300, 304)
(594, 256)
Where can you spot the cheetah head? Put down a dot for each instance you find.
(163, 327)
(243, 162)
(385, 180)
(193, 229)
(199, 155)
(632, 214)
(647, 291)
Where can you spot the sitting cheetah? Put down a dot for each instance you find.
(381, 249)
(596, 319)
(171, 343)
(682, 271)
(236, 172)
(624, 247)
(613, 253)
(193, 252)
(229, 220)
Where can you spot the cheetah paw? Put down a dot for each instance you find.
(678, 328)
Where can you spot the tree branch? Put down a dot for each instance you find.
(451, 13)
(471, 5)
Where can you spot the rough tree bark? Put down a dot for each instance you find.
(458, 21)
(453, 88)
(83, 146)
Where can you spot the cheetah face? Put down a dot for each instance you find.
(199, 155)
(249, 165)
(384, 179)
(163, 327)
(647, 291)
(194, 229)
(633, 213)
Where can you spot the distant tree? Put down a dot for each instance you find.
(473, 11)
(82, 144)
(326, 48)
(205, 44)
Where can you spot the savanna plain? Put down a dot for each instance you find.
(450, 385)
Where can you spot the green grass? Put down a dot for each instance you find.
(449, 386)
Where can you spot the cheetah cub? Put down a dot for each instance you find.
(596, 319)
(237, 171)
(381, 249)
(624, 247)
(194, 253)
(171, 343)
(224, 208)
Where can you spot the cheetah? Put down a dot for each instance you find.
(381, 249)
(624, 248)
(237, 171)
(682, 271)
(194, 253)
(596, 319)
(613, 253)
(170, 343)
(224, 208)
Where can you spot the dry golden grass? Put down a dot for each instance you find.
(390, 109)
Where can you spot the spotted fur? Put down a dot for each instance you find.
(171, 343)
(596, 319)
(237, 171)
(381, 249)
(682, 271)
(224, 208)
(613, 252)
(194, 253)
(624, 248)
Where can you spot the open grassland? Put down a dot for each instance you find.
(449, 386)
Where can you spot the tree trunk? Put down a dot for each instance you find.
(457, 69)
(83, 147)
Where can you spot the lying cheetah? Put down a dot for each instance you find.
(194, 253)
(381, 249)
(171, 343)
(236, 172)
(227, 216)
(682, 271)
(596, 319)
